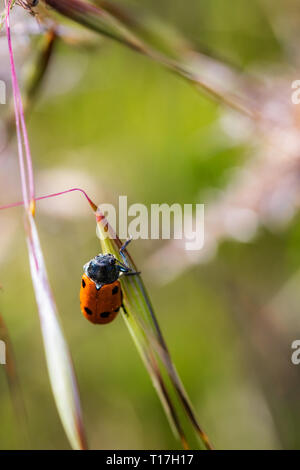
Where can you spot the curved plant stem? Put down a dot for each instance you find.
(60, 367)
(108, 23)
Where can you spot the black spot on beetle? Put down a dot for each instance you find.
(105, 314)
(115, 290)
(117, 309)
(83, 283)
(88, 311)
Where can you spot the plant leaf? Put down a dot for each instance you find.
(60, 367)
(144, 328)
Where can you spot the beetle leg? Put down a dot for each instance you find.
(132, 273)
(125, 270)
(125, 311)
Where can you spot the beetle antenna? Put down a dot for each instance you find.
(123, 248)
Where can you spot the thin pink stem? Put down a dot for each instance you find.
(28, 194)
(17, 117)
(21, 203)
(27, 149)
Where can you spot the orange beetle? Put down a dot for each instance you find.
(101, 295)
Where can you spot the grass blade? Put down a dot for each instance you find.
(112, 23)
(144, 329)
(60, 367)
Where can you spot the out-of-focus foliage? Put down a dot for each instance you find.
(114, 123)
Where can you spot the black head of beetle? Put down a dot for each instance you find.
(104, 269)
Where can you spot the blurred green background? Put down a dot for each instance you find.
(114, 123)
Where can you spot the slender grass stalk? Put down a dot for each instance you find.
(60, 367)
(3, 14)
(49, 196)
(110, 23)
(28, 195)
(33, 82)
(40, 65)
